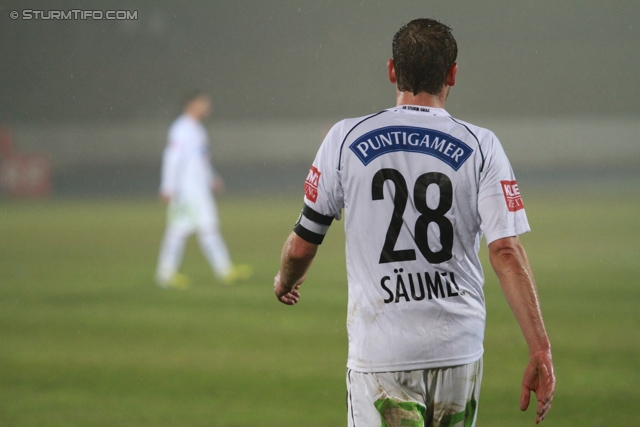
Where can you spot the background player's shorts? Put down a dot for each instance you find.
(442, 397)
(192, 215)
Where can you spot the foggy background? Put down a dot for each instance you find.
(556, 81)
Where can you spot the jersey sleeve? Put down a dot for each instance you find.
(323, 193)
(500, 203)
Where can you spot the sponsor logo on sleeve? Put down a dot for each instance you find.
(431, 142)
(311, 184)
(512, 195)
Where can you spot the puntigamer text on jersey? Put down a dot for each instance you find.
(385, 140)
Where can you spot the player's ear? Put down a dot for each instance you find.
(451, 75)
(391, 69)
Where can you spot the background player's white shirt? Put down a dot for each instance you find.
(187, 174)
(419, 189)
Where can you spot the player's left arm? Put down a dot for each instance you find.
(509, 261)
(215, 180)
(297, 256)
(217, 184)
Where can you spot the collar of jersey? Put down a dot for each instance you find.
(419, 109)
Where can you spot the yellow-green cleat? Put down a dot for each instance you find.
(239, 273)
(177, 281)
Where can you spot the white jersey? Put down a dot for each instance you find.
(419, 189)
(187, 175)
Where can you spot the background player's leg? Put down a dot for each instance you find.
(171, 252)
(214, 247)
(215, 250)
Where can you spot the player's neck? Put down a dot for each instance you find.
(193, 114)
(423, 99)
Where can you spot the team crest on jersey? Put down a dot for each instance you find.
(385, 140)
(311, 184)
(512, 195)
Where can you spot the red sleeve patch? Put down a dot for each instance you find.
(311, 184)
(512, 195)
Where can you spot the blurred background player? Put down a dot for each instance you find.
(188, 181)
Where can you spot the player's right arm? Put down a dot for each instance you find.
(297, 256)
(322, 203)
(509, 261)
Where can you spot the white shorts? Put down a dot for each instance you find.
(192, 215)
(441, 397)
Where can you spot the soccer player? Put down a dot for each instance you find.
(419, 188)
(188, 180)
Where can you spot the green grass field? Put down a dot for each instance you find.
(87, 339)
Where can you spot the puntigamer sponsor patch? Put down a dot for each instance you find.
(381, 141)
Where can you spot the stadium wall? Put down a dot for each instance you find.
(259, 156)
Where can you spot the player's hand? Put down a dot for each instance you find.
(284, 295)
(539, 378)
(218, 186)
(165, 198)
